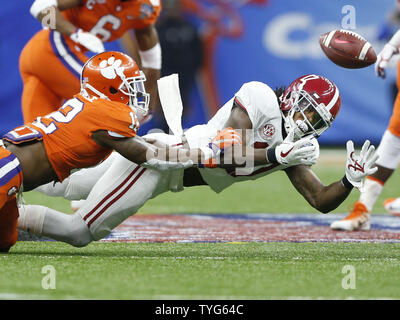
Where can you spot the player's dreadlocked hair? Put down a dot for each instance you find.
(279, 91)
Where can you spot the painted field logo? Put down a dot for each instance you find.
(349, 281)
(49, 280)
(267, 131)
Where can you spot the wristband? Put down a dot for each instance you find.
(271, 156)
(39, 5)
(346, 183)
(151, 58)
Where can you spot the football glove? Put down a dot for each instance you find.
(304, 151)
(88, 40)
(383, 58)
(360, 166)
(225, 138)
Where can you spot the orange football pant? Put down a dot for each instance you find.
(50, 67)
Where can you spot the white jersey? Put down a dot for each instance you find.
(260, 103)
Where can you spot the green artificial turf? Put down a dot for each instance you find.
(209, 270)
(201, 271)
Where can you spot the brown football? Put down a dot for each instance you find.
(347, 49)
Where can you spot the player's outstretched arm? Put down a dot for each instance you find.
(289, 152)
(389, 50)
(141, 152)
(321, 197)
(40, 10)
(327, 198)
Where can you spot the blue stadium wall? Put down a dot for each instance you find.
(279, 43)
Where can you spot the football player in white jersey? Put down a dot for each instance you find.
(279, 133)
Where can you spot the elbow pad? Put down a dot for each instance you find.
(39, 5)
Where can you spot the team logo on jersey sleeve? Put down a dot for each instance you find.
(267, 132)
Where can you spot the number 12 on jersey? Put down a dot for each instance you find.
(63, 115)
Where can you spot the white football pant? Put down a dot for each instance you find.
(118, 188)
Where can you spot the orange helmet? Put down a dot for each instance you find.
(115, 76)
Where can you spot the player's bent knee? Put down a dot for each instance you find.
(78, 234)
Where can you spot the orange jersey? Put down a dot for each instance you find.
(50, 54)
(67, 133)
(110, 19)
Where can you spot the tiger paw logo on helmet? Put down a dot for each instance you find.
(111, 68)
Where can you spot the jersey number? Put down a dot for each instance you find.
(99, 30)
(64, 115)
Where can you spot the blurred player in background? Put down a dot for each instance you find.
(82, 133)
(51, 62)
(388, 150)
(277, 135)
(182, 54)
(218, 19)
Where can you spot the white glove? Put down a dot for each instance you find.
(304, 151)
(383, 58)
(142, 116)
(88, 40)
(162, 165)
(358, 167)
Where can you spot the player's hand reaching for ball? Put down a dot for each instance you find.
(383, 59)
(362, 165)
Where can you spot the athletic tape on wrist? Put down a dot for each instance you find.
(271, 156)
(39, 5)
(151, 58)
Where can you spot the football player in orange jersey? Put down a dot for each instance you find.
(51, 61)
(82, 133)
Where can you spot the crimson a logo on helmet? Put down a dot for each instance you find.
(267, 131)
